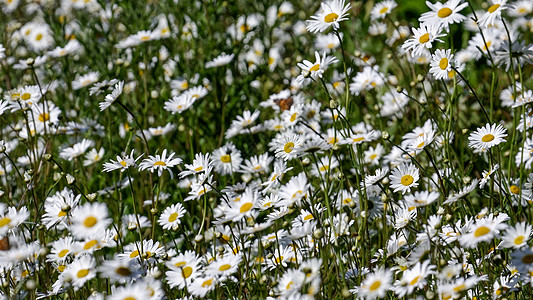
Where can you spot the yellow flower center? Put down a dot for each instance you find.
(407, 180)
(308, 217)
(443, 64)
(61, 214)
(134, 254)
(494, 8)
(207, 283)
(160, 163)
(180, 264)
(515, 189)
(199, 169)
(444, 12)
(130, 298)
(187, 271)
(384, 10)
(61, 268)
(123, 163)
(481, 231)
(314, 68)
(90, 244)
(459, 288)
(39, 37)
(224, 267)
(289, 285)
(225, 158)
(519, 240)
(62, 253)
(487, 45)
(451, 74)
(90, 221)
(82, 273)
(288, 147)
(44, 117)
(424, 38)
(375, 285)
(173, 217)
(293, 117)
(357, 140)
(487, 138)
(25, 96)
(331, 17)
(414, 281)
(145, 38)
(246, 207)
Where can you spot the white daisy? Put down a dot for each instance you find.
(331, 13)
(487, 136)
(404, 177)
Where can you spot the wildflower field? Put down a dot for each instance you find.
(275, 149)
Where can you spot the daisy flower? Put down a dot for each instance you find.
(316, 69)
(486, 175)
(257, 164)
(89, 219)
(110, 98)
(197, 92)
(327, 42)
(122, 163)
(488, 136)
(170, 218)
(292, 192)
(93, 156)
(423, 38)
(286, 145)
(244, 206)
(30, 94)
(494, 13)
(85, 80)
(368, 79)
(440, 65)
(221, 60)
(160, 163)
(183, 269)
(331, 13)
(404, 177)
(414, 278)
(420, 199)
(444, 14)
(224, 266)
(375, 284)
(79, 271)
(61, 250)
(148, 250)
(517, 236)
(179, 103)
(201, 163)
(10, 218)
(382, 9)
(134, 291)
(484, 230)
(523, 260)
(76, 150)
(57, 207)
(202, 285)
(227, 159)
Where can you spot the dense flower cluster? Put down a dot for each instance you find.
(284, 150)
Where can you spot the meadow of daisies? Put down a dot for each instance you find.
(266, 149)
